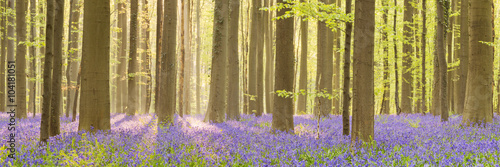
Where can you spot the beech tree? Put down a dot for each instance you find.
(21, 58)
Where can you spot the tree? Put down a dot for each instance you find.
(146, 61)
(159, 38)
(73, 36)
(363, 91)
(233, 95)
(216, 103)
(336, 81)
(347, 73)
(121, 82)
(479, 95)
(302, 101)
(463, 55)
(253, 54)
(21, 59)
(283, 107)
(32, 60)
(441, 57)
(424, 43)
(324, 71)
(133, 77)
(3, 54)
(396, 69)
(182, 58)
(95, 98)
(55, 103)
(187, 58)
(198, 58)
(260, 56)
(47, 75)
(406, 92)
(268, 44)
(168, 64)
(387, 85)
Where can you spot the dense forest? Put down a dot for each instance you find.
(249, 83)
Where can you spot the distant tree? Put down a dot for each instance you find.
(260, 56)
(32, 61)
(268, 45)
(253, 54)
(159, 39)
(441, 55)
(95, 98)
(324, 71)
(57, 69)
(406, 90)
(302, 100)
(3, 55)
(463, 55)
(478, 107)
(424, 45)
(385, 108)
(168, 64)
(346, 101)
(363, 83)
(283, 107)
(121, 82)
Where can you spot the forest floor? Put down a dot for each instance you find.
(407, 140)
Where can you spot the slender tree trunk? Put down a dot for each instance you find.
(187, 58)
(347, 74)
(57, 69)
(159, 39)
(147, 54)
(47, 73)
(133, 77)
(253, 54)
(406, 94)
(21, 59)
(216, 102)
(73, 37)
(77, 92)
(233, 95)
(324, 67)
(3, 55)
(479, 95)
(283, 107)
(32, 61)
(168, 64)
(122, 67)
(268, 42)
(424, 43)
(336, 81)
(449, 60)
(441, 55)
(387, 84)
(302, 101)
(396, 73)
(463, 55)
(363, 86)
(260, 57)
(182, 58)
(94, 103)
(198, 58)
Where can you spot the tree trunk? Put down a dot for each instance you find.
(260, 57)
(121, 82)
(198, 58)
(324, 67)
(47, 73)
(21, 59)
(133, 77)
(77, 92)
(302, 101)
(188, 61)
(406, 94)
(347, 74)
(233, 95)
(424, 43)
(479, 95)
(216, 103)
(336, 81)
(396, 73)
(147, 61)
(32, 61)
(182, 58)
(463, 55)
(268, 41)
(363, 86)
(57, 69)
(159, 39)
(283, 106)
(168, 64)
(73, 37)
(253, 54)
(94, 98)
(3, 55)
(449, 59)
(387, 84)
(441, 55)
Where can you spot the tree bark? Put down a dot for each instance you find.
(216, 103)
(268, 42)
(463, 55)
(479, 95)
(324, 71)
(406, 94)
(159, 39)
(233, 95)
(147, 54)
(168, 64)
(424, 45)
(260, 57)
(21, 59)
(387, 84)
(121, 82)
(302, 100)
(396, 69)
(95, 98)
(3, 55)
(283, 107)
(182, 58)
(133, 77)
(198, 58)
(346, 102)
(77, 92)
(47, 73)
(363, 83)
(441, 55)
(32, 61)
(253, 55)
(57, 69)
